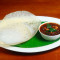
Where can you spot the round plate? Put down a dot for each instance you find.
(44, 46)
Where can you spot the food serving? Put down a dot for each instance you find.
(37, 43)
(19, 32)
(20, 29)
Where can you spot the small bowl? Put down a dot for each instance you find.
(47, 37)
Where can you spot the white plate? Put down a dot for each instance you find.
(38, 49)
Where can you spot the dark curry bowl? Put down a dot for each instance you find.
(49, 37)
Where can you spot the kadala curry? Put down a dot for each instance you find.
(50, 29)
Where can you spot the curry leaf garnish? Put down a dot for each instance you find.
(50, 28)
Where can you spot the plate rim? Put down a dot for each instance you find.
(35, 49)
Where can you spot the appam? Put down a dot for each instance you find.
(18, 27)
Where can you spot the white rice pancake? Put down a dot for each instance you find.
(15, 33)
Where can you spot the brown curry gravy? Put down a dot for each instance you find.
(44, 28)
